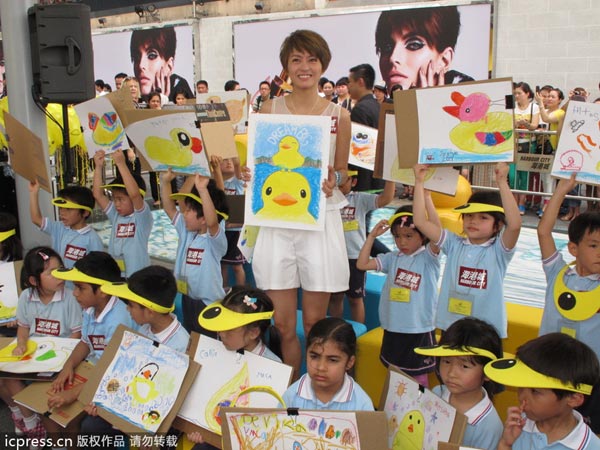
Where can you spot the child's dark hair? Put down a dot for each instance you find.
(490, 198)
(558, 355)
(234, 301)
(11, 248)
(34, 264)
(99, 265)
(80, 195)
(119, 180)
(218, 197)
(156, 284)
(587, 222)
(336, 330)
(472, 332)
(406, 222)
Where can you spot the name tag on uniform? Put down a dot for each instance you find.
(351, 225)
(121, 264)
(182, 286)
(569, 331)
(460, 306)
(400, 295)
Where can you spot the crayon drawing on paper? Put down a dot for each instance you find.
(363, 144)
(102, 127)
(466, 124)
(142, 382)
(312, 430)
(50, 355)
(416, 420)
(579, 144)
(223, 376)
(288, 156)
(172, 140)
(9, 294)
(236, 103)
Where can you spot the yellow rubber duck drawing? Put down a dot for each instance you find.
(106, 130)
(286, 196)
(142, 387)
(479, 130)
(288, 155)
(225, 396)
(411, 432)
(176, 151)
(6, 312)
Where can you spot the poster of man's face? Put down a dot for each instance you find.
(398, 43)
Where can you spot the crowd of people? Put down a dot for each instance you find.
(73, 282)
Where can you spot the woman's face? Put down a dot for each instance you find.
(154, 102)
(401, 58)
(342, 90)
(304, 69)
(552, 101)
(520, 96)
(328, 90)
(134, 89)
(151, 68)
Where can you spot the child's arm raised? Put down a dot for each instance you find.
(387, 195)
(99, 196)
(34, 203)
(511, 208)
(133, 190)
(210, 214)
(364, 261)
(165, 193)
(215, 164)
(431, 226)
(433, 217)
(548, 220)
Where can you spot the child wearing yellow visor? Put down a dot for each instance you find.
(464, 349)
(553, 373)
(72, 237)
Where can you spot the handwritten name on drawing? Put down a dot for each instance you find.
(210, 353)
(584, 111)
(264, 376)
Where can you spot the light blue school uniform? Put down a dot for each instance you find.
(61, 317)
(262, 350)
(350, 397)
(484, 427)
(408, 297)
(472, 284)
(174, 336)
(587, 331)
(581, 438)
(233, 186)
(198, 261)
(70, 244)
(96, 332)
(129, 237)
(354, 219)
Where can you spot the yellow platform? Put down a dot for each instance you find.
(523, 325)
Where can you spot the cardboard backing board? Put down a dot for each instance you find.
(236, 205)
(384, 110)
(10, 290)
(35, 397)
(219, 139)
(460, 420)
(87, 394)
(372, 425)
(465, 123)
(26, 152)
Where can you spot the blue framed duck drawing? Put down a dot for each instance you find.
(288, 157)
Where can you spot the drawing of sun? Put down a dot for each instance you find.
(401, 389)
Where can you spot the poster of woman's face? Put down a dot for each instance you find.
(409, 47)
(158, 57)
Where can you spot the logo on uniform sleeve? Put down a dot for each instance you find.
(125, 230)
(47, 326)
(230, 191)
(194, 256)
(97, 341)
(334, 125)
(407, 279)
(348, 213)
(74, 253)
(472, 278)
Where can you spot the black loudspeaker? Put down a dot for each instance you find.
(61, 52)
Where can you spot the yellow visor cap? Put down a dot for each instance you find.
(442, 350)
(216, 317)
(4, 235)
(77, 276)
(515, 373)
(181, 196)
(64, 203)
(470, 208)
(121, 290)
(117, 185)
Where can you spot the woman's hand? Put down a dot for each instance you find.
(246, 175)
(329, 182)
(163, 80)
(429, 76)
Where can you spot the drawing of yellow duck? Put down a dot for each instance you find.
(142, 388)
(411, 432)
(177, 151)
(106, 130)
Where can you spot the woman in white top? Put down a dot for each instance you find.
(285, 259)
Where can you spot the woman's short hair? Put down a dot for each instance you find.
(305, 41)
(163, 40)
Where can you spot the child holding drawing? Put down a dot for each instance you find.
(407, 304)
(472, 284)
(465, 348)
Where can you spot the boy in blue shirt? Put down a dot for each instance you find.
(102, 314)
(354, 219)
(571, 304)
(72, 237)
(553, 373)
(200, 224)
(128, 213)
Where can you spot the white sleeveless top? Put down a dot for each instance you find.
(337, 200)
